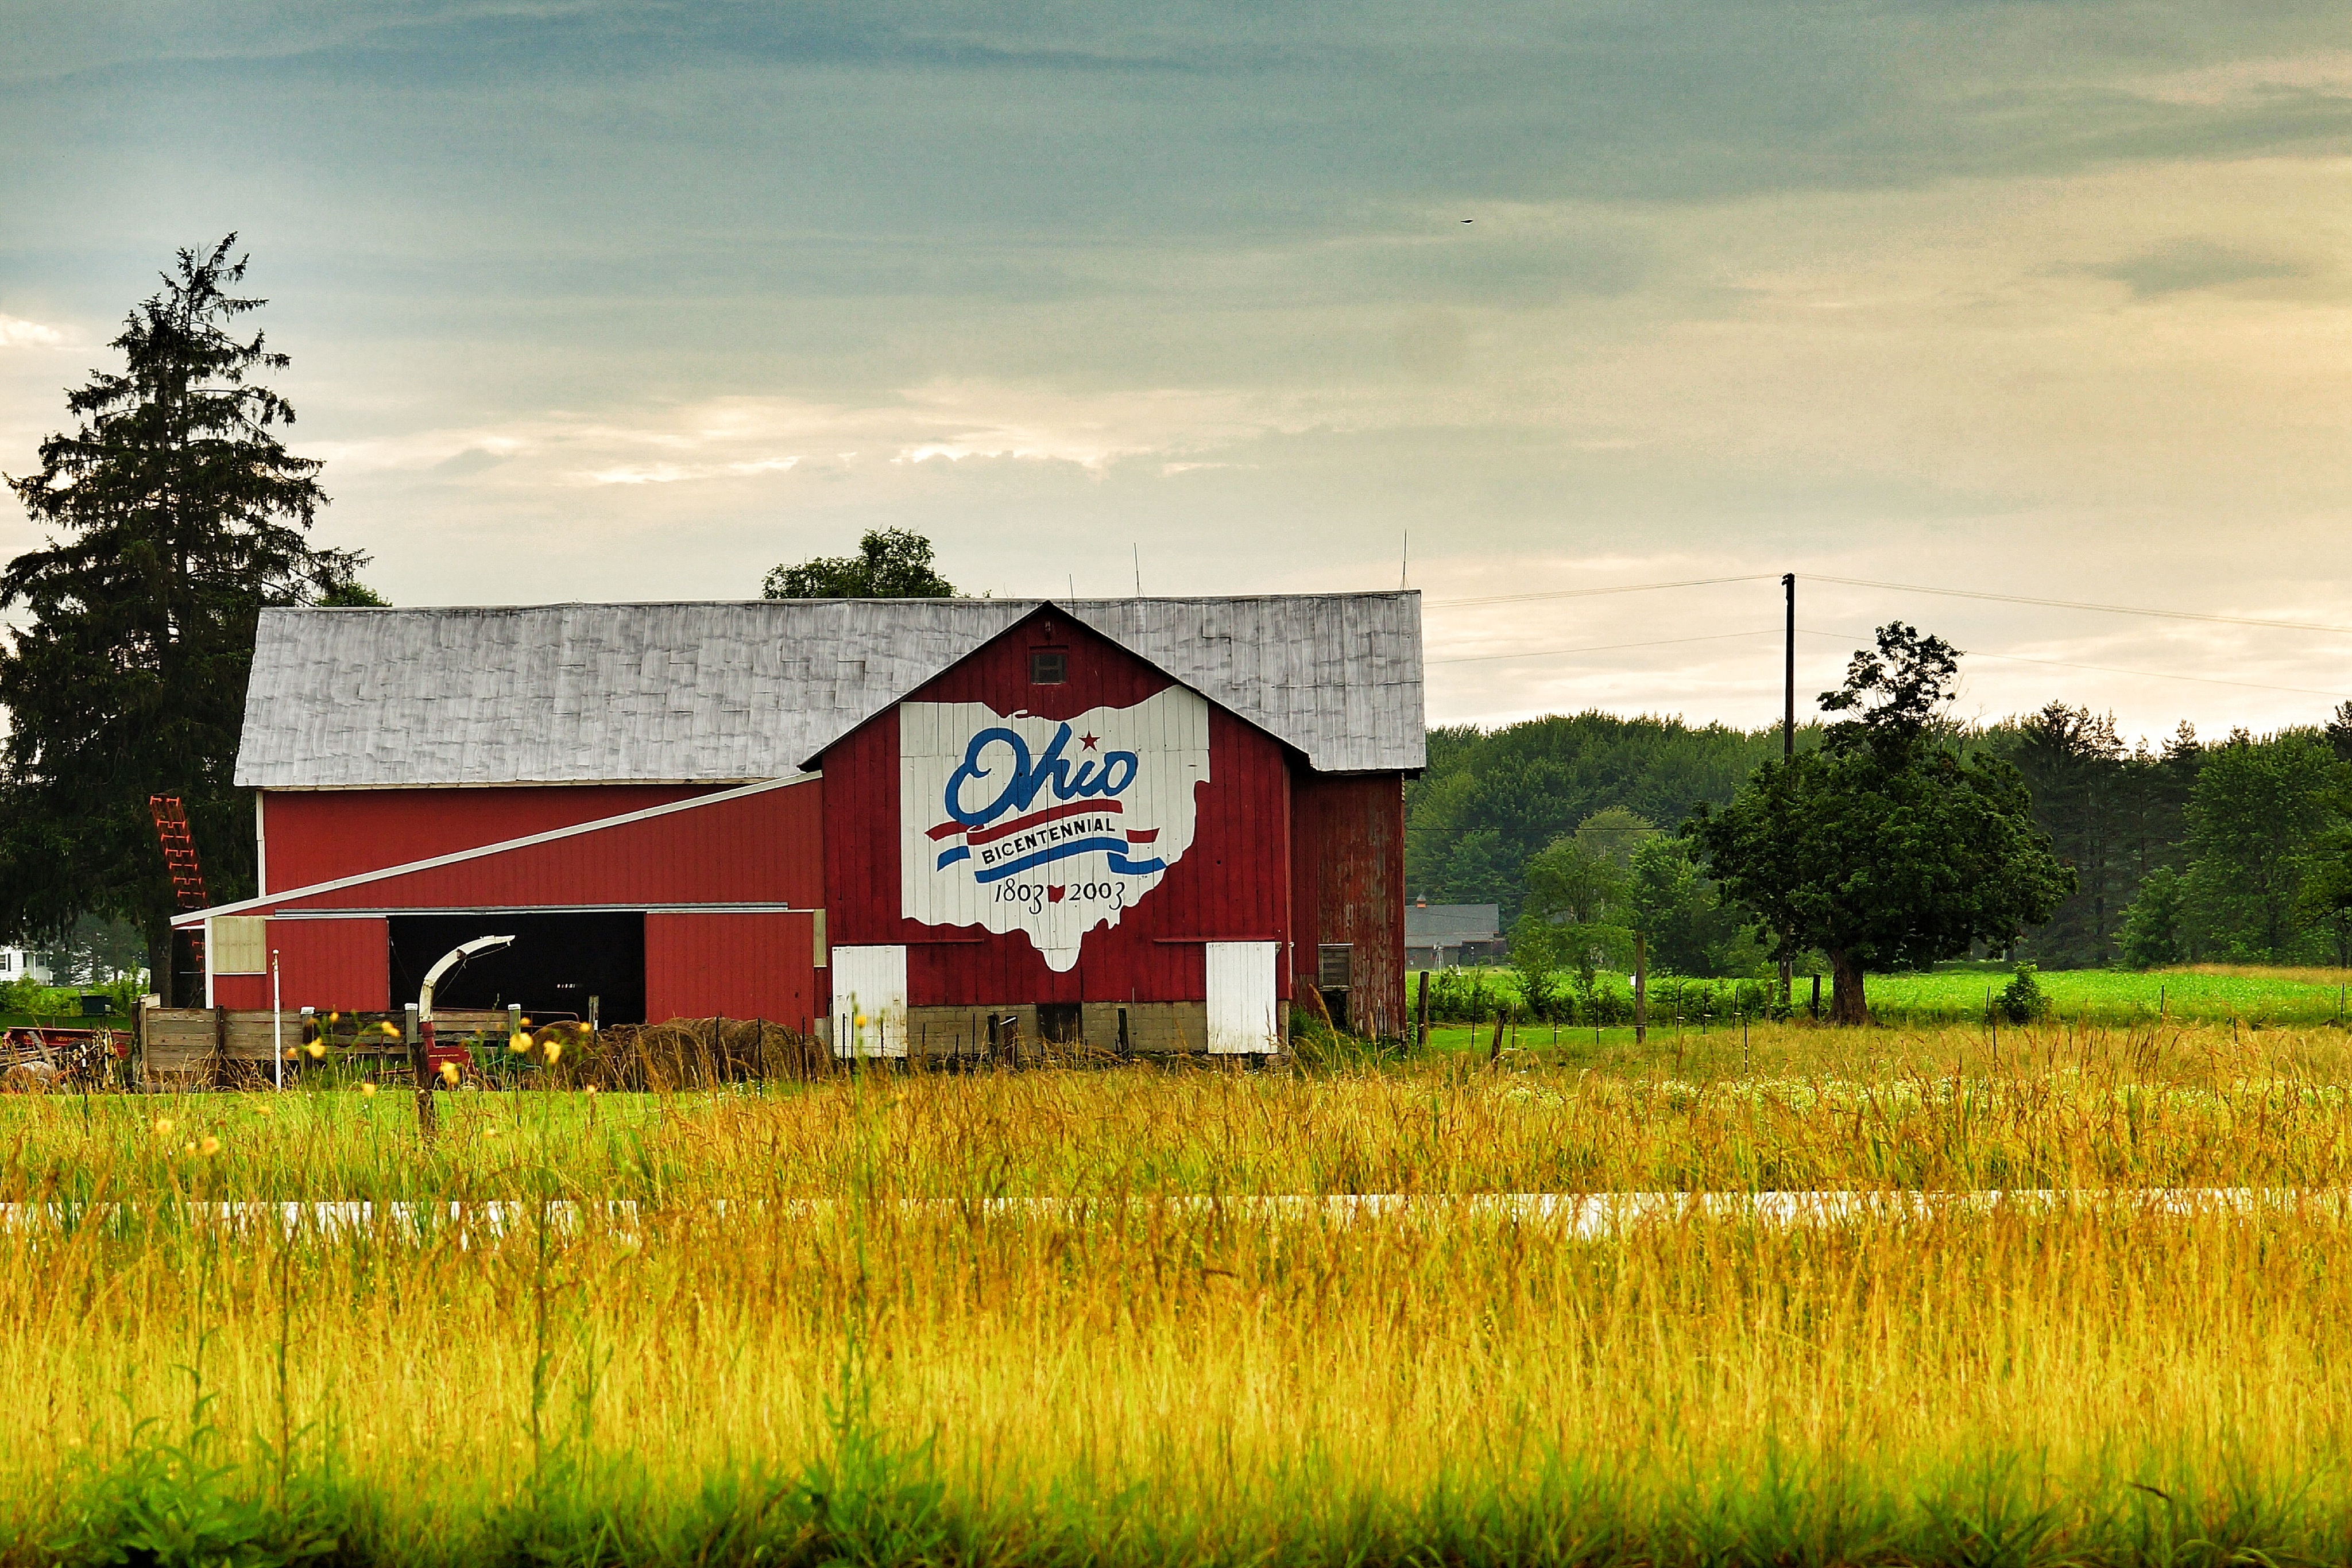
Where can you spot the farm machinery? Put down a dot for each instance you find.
(38, 1058)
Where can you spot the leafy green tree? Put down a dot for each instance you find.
(173, 515)
(2253, 819)
(1575, 908)
(2325, 897)
(352, 594)
(890, 563)
(2339, 731)
(2155, 927)
(1540, 950)
(1669, 900)
(1490, 802)
(1885, 847)
(1579, 877)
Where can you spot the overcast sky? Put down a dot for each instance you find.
(618, 301)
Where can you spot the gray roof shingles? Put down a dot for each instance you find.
(717, 693)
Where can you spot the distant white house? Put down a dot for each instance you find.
(21, 964)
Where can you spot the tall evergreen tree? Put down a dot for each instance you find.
(173, 515)
(2075, 765)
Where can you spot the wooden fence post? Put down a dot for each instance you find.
(1424, 1042)
(424, 1075)
(1641, 987)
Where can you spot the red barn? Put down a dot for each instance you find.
(1145, 823)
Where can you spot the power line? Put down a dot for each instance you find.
(1590, 592)
(1912, 587)
(1600, 647)
(2104, 669)
(1865, 637)
(2078, 604)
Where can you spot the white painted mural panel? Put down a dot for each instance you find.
(1052, 827)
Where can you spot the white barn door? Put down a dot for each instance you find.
(869, 983)
(1244, 1017)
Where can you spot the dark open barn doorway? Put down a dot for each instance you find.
(557, 963)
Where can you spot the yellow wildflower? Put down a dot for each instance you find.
(163, 1126)
(317, 1049)
(519, 1044)
(209, 1147)
(449, 1073)
(553, 1050)
(366, 1089)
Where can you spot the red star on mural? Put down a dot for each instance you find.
(1087, 741)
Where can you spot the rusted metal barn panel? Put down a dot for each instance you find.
(732, 965)
(1348, 882)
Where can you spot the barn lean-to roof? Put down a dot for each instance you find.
(730, 693)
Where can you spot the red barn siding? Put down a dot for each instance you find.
(1231, 885)
(329, 965)
(759, 849)
(322, 835)
(1348, 882)
(740, 965)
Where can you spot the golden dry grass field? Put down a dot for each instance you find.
(1000, 1319)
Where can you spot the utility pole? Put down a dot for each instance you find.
(1789, 673)
(1788, 755)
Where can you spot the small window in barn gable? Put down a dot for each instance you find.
(1049, 667)
(1335, 966)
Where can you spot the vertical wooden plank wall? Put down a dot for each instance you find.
(1348, 876)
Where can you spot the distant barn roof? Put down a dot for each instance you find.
(574, 694)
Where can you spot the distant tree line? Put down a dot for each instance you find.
(2238, 851)
(2231, 852)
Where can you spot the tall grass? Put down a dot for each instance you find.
(871, 1379)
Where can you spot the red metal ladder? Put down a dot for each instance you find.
(179, 858)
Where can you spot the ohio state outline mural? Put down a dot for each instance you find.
(1053, 827)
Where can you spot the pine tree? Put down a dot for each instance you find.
(173, 515)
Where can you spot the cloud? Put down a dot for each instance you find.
(2320, 73)
(2188, 263)
(16, 332)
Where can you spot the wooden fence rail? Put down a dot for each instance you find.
(186, 1049)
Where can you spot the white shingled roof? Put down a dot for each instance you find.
(730, 693)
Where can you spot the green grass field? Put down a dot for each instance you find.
(1956, 994)
(1010, 1318)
